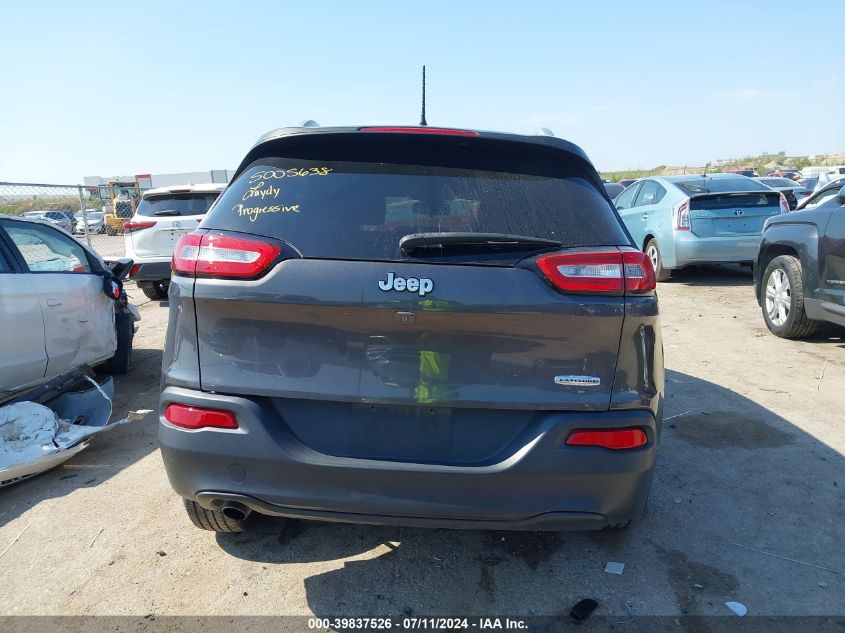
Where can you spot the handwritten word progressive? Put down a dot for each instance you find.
(254, 212)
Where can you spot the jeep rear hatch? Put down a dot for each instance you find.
(341, 312)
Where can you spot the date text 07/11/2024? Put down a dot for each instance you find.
(417, 624)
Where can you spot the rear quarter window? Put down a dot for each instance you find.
(347, 209)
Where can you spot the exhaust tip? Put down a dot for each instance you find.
(236, 512)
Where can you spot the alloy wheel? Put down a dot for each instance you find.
(778, 297)
(653, 255)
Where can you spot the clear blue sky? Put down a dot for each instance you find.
(122, 88)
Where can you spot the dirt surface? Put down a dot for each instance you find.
(752, 458)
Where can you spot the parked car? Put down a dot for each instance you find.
(830, 174)
(613, 189)
(96, 222)
(683, 220)
(800, 271)
(164, 214)
(59, 310)
(626, 182)
(791, 174)
(808, 183)
(825, 173)
(60, 219)
(791, 190)
(749, 173)
(412, 326)
(820, 197)
(837, 182)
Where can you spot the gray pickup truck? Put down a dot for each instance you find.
(800, 270)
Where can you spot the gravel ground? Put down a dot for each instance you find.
(751, 460)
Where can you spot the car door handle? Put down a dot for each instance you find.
(54, 302)
(644, 217)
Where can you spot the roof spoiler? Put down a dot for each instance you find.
(730, 193)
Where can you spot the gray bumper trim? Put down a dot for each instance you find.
(546, 521)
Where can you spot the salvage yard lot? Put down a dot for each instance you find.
(751, 458)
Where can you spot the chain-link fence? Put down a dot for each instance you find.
(87, 213)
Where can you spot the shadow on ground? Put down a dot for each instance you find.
(731, 475)
(109, 452)
(828, 333)
(715, 275)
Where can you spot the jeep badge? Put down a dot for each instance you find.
(421, 286)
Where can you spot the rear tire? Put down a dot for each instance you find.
(783, 299)
(124, 327)
(157, 291)
(653, 252)
(212, 520)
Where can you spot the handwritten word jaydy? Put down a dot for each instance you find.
(260, 191)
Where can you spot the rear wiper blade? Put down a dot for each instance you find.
(496, 241)
(166, 212)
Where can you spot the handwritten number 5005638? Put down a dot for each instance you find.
(278, 174)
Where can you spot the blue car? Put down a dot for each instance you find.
(695, 219)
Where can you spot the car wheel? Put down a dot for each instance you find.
(157, 291)
(653, 252)
(124, 327)
(783, 299)
(213, 520)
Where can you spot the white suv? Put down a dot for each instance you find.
(164, 214)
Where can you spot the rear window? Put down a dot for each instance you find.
(181, 204)
(719, 185)
(613, 189)
(346, 209)
(779, 182)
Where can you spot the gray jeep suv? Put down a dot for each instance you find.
(412, 326)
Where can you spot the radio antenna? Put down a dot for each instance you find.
(422, 116)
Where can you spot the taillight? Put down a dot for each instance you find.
(613, 439)
(420, 130)
(784, 204)
(216, 255)
(130, 226)
(602, 272)
(639, 272)
(682, 217)
(189, 417)
(134, 270)
(185, 254)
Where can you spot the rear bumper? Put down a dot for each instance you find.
(151, 270)
(691, 249)
(540, 483)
